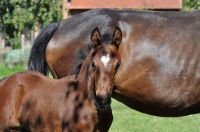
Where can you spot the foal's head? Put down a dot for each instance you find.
(104, 63)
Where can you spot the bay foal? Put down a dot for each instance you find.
(32, 102)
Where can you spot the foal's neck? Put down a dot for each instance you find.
(84, 79)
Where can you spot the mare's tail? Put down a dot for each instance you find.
(37, 61)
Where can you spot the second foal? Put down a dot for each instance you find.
(30, 101)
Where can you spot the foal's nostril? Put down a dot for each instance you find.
(103, 101)
(107, 101)
(99, 100)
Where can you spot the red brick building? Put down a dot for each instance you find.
(77, 6)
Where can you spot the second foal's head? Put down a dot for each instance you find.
(103, 63)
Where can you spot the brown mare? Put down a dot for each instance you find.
(32, 102)
(160, 56)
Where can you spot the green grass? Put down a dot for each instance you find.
(6, 71)
(129, 120)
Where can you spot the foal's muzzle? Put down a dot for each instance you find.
(103, 102)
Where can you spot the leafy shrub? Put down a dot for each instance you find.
(18, 15)
(17, 56)
(191, 4)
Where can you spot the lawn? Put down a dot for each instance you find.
(5, 71)
(129, 120)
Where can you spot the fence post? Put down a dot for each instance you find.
(23, 41)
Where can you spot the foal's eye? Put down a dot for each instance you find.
(117, 66)
(93, 66)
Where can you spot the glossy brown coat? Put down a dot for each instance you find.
(32, 102)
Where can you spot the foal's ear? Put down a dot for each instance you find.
(95, 37)
(117, 36)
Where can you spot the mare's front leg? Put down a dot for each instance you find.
(105, 120)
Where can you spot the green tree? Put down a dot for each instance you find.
(189, 5)
(18, 15)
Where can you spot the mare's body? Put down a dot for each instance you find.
(160, 63)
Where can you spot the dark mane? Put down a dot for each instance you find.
(80, 57)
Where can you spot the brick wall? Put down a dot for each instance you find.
(133, 4)
(77, 6)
